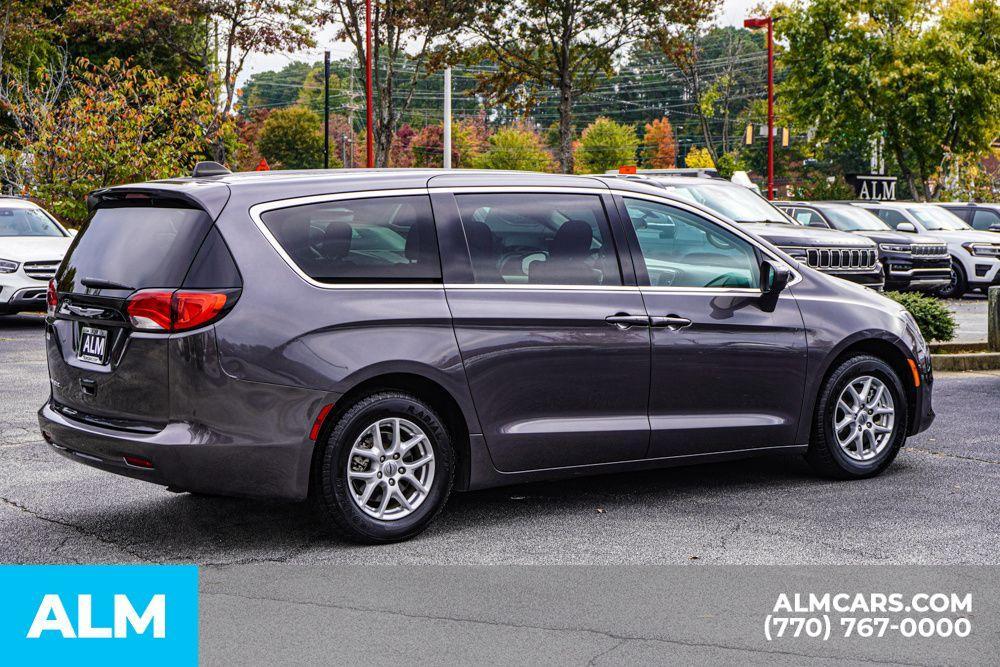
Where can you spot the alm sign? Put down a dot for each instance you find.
(871, 186)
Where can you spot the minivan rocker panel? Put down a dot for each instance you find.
(478, 373)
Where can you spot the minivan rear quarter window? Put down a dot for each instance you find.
(378, 239)
(135, 246)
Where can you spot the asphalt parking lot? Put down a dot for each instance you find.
(937, 505)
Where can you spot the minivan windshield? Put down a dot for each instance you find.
(854, 219)
(27, 222)
(937, 219)
(732, 201)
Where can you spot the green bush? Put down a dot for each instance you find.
(934, 319)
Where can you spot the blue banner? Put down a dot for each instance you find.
(99, 614)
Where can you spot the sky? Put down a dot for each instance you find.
(732, 13)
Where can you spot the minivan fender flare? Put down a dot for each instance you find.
(453, 387)
(878, 342)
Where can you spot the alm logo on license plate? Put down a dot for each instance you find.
(93, 345)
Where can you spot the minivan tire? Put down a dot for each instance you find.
(331, 487)
(824, 453)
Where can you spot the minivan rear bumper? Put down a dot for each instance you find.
(184, 456)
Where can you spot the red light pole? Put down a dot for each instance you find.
(368, 83)
(769, 24)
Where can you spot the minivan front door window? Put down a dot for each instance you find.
(681, 249)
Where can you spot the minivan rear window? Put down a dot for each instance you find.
(378, 239)
(135, 246)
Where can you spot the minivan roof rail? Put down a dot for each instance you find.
(209, 168)
(688, 171)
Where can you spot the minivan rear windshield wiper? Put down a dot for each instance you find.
(99, 283)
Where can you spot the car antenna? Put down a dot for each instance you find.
(209, 168)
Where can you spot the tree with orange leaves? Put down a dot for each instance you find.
(659, 149)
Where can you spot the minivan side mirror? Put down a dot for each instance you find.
(774, 277)
(906, 227)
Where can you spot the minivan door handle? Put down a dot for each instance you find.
(672, 322)
(624, 320)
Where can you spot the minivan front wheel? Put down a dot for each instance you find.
(860, 421)
(386, 469)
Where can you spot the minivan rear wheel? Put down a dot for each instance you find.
(386, 469)
(860, 421)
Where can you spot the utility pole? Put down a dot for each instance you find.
(368, 84)
(326, 109)
(446, 161)
(769, 24)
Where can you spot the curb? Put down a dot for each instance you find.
(981, 361)
(959, 348)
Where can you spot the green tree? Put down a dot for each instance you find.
(516, 148)
(924, 80)
(292, 139)
(605, 144)
(562, 46)
(112, 124)
(405, 36)
(273, 89)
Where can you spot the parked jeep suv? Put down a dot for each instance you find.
(975, 255)
(378, 338)
(838, 254)
(919, 263)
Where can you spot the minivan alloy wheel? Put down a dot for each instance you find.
(390, 469)
(864, 418)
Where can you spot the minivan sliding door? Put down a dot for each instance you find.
(555, 342)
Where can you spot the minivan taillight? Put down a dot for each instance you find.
(169, 310)
(51, 298)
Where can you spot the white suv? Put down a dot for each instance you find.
(975, 255)
(32, 245)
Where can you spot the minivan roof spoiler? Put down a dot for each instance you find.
(206, 195)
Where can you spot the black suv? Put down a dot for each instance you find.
(376, 339)
(846, 256)
(918, 263)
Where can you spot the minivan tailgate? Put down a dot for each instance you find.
(128, 390)
(103, 369)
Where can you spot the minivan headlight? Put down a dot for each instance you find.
(982, 249)
(8, 266)
(894, 247)
(922, 351)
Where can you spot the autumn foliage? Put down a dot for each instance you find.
(115, 123)
(659, 149)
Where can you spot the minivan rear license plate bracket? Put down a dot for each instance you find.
(93, 345)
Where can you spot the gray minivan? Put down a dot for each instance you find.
(374, 339)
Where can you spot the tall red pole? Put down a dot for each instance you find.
(770, 108)
(368, 84)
